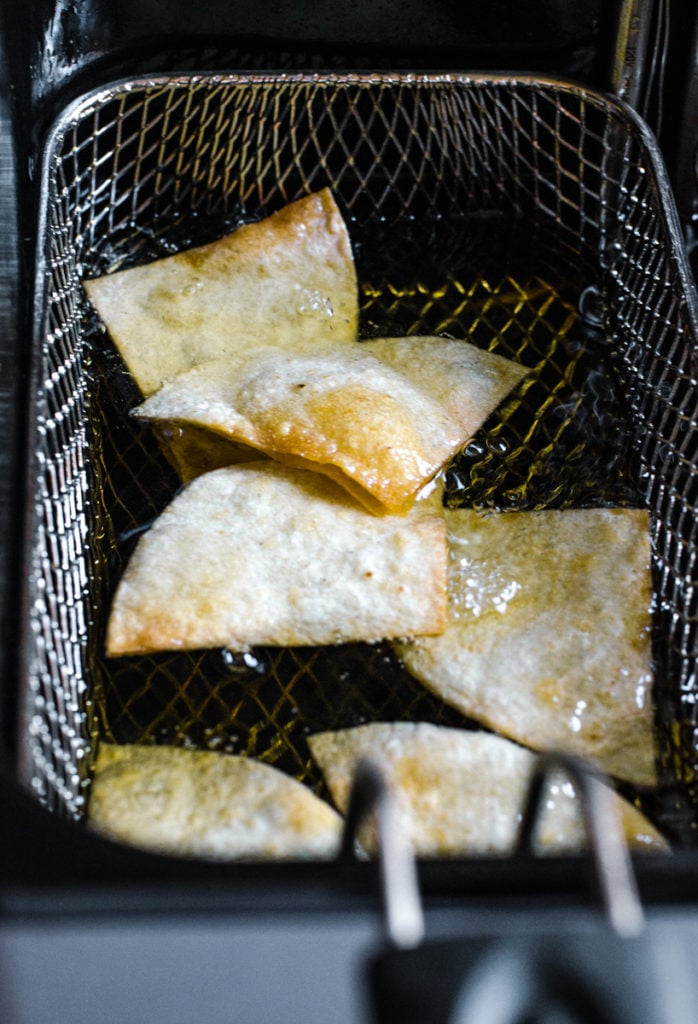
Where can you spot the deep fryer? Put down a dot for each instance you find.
(580, 177)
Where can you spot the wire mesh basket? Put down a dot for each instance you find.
(529, 216)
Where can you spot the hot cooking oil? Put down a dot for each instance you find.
(559, 441)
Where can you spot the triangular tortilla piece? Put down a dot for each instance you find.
(381, 418)
(264, 554)
(461, 792)
(195, 803)
(549, 632)
(285, 279)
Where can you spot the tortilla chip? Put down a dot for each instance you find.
(285, 279)
(462, 793)
(381, 418)
(195, 803)
(264, 554)
(549, 632)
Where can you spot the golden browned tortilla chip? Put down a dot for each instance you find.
(381, 418)
(265, 554)
(197, 803)
(462, 792)
(282, 280)
(548, 637)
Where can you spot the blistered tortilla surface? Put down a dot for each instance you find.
(265, 554)
(381, 417)
(549, 632)
(462, 792)
(205, 804)
(278, 281)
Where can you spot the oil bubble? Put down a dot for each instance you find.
(243, 663)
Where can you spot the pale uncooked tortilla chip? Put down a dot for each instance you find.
(462, 792)
(195, 803)
(549, 632)
(265, 554)
(381, 418)
(285, 279)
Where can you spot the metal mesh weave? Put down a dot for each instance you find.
(528, 216)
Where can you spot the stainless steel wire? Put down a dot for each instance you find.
(479, 206)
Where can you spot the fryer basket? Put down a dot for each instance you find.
(529, 215)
